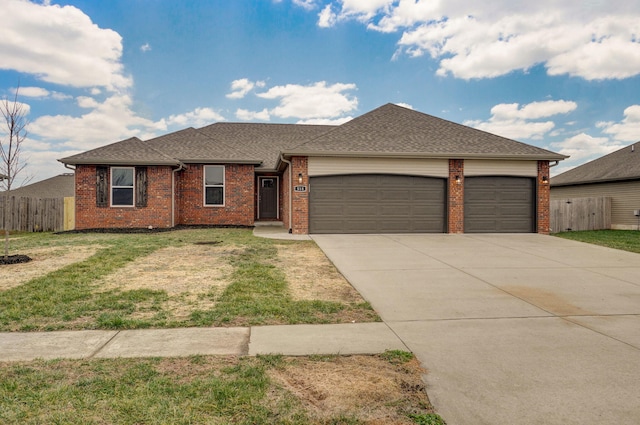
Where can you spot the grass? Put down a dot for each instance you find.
(627, 240)
(70, 297)
(194, 390)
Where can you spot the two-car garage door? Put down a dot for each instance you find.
(377, 203)
(380, 203)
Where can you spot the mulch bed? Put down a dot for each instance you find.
(14, 259)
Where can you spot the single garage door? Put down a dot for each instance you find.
(499, 205)
(376, 203)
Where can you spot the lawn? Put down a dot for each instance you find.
(627, 240)
(326, 390)
(195, 277)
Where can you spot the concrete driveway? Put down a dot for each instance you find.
(512, 329)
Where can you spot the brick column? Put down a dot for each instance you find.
(542, 198)
(300, 200)
(456, 196)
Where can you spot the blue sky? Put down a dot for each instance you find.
(564, 76)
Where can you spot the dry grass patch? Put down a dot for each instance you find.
(311, 276)
(191, 275)
(44, 261)
(368, 388)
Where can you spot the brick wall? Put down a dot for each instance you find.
(285, 189)
(239, 197)
(456, 196)
(300, 200)
(157, 213)
(543, 193)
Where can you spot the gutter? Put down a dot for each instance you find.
(290, 191)
(173, 193)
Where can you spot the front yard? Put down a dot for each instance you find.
(627, 240)
(196, 277)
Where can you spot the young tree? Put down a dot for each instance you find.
(13, 133)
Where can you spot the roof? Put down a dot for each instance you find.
(264, 141)
(3, 177)
(389, 130)
(55, 187)
(623, 164)
(125, 152)
(393, 130)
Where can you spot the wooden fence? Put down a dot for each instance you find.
(33, 214)
(580, 214)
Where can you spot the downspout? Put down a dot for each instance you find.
(69, 167)
(173, 194)
(556, 163)
(290, 194)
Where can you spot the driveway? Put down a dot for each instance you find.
(512, 329)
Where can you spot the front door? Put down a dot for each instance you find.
(267, 198)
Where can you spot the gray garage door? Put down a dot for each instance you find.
(499, 205)
(375, 203)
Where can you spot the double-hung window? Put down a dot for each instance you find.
(122, 179)
(214, 185)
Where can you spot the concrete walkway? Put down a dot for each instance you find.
(513, 329)
(352, 338)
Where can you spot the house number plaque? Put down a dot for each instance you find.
(300, 188)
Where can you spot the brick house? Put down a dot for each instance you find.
(391, 170)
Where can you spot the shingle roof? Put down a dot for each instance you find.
(126, 152)
(55, 187)
(191, 145)
(264, 141)
(390, 130)
(395, 130)
(623, 164)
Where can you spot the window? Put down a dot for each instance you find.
(122, 187)
(214, 185)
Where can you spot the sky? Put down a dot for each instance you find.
(560, 75)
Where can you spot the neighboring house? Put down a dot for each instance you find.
(62, 186)
(392, 170)
(3, 177)
(616, 175)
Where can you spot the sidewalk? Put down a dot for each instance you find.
(351, 338)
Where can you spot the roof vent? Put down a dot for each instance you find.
(633, 148)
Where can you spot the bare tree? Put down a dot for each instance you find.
(13, 133)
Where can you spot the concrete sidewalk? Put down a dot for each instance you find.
(352, 338)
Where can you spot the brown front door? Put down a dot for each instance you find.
(267, 198)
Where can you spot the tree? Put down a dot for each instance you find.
(13, 133)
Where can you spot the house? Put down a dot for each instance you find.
(391, 170)
(616, 175)
(61, 186)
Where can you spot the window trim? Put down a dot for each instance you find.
(205, 186)
(132, 187)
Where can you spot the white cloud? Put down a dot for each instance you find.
(487, 39)
(326, 17)
(515, 122)
(106, 122)
(628, 129)
(315, 101)
(306, 4)
(405, 105)
(246, 115)
(87, 102)
(240, 88)
(33, 92)
(145, 47)
(60, 44)
(583, 147)
(197, 118)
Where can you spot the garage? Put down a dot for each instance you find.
(377, 203)
(498, 204)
